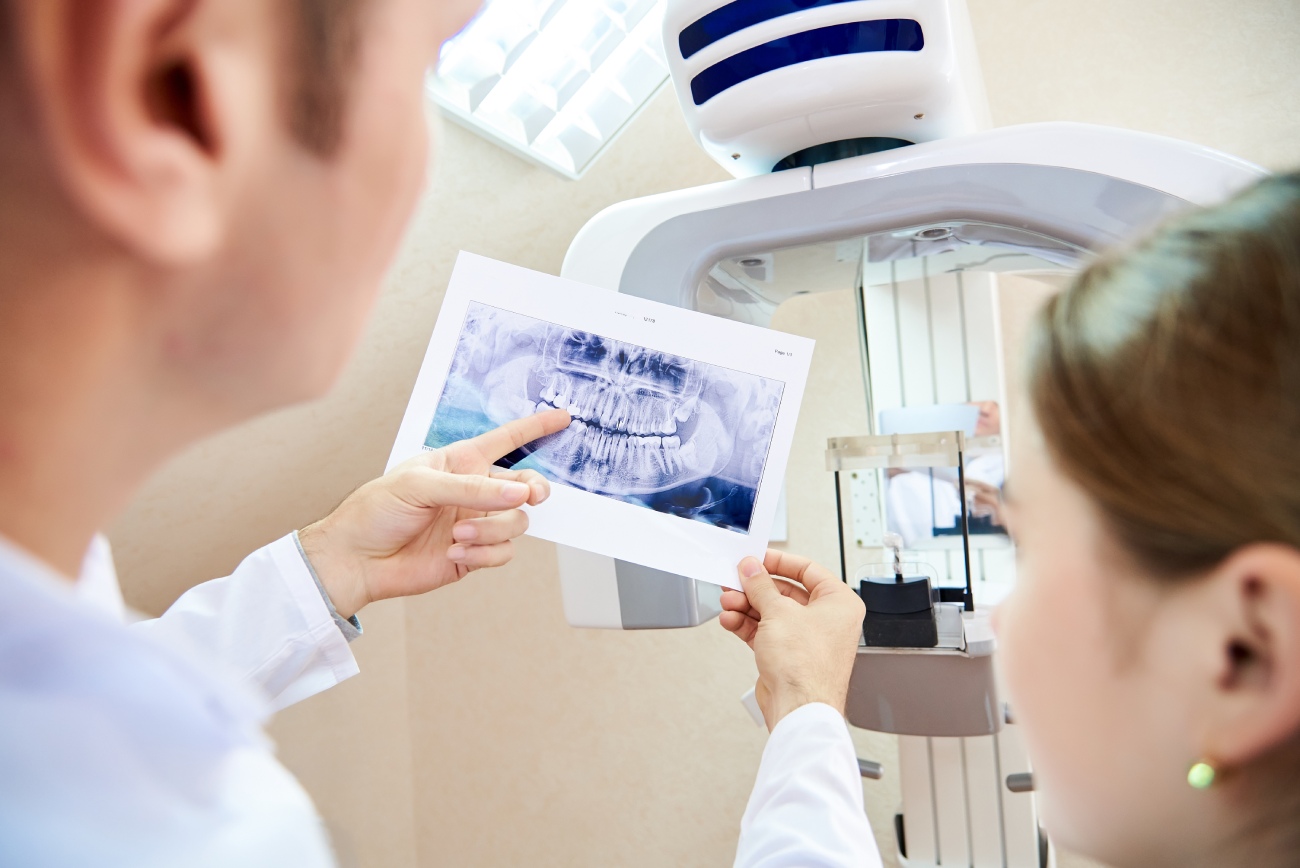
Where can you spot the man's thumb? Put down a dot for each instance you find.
(758, 585)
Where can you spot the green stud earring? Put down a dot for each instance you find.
(1200, 776)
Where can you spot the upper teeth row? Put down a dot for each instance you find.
(615, 412)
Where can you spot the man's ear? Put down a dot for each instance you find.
(144, 107)
(1254, 619)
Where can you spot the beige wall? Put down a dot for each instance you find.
(484, 731)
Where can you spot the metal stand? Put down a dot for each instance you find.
(908, 452)
(969, 599)
(839, 523)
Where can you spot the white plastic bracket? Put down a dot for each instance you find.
(865, 509)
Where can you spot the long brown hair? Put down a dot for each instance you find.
(1166, 382)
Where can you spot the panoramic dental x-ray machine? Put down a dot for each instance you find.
(858, 131)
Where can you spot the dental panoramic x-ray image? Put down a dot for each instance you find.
(673, 434)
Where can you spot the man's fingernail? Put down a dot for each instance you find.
(456, 553)
(750, 567)
(463, 532)
(514, 491)
(543, 492)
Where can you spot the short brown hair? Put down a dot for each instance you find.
(1166, 382)
(324, 42)
(6, 37)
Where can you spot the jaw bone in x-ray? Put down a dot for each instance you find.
(662, 431)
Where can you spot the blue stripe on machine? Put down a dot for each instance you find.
(738, 15)
(859, 37)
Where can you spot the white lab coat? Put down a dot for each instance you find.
(917, 502)
(141, 745)
(806, 809)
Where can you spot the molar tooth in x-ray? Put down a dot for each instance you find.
(655, 452)
(651, 428)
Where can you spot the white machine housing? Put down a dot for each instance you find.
(858, 100)
(1083, 186)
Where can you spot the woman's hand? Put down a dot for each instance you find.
(431, 520)
(804, 632)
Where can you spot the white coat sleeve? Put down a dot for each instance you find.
(267, 621)
(806, 810)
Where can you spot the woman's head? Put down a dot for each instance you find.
(1157, 509)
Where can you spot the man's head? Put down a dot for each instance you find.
(237, 172)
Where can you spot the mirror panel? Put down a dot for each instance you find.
(909, 332)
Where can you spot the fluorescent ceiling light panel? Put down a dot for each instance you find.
(553, 80)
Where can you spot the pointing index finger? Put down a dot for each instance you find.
(500, 442)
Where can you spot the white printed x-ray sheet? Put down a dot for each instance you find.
(682, 422)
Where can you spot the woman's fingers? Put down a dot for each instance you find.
(474, 557)
(491, 529)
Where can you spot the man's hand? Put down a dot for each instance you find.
(986, 500)
(804, 636)
(431, 520)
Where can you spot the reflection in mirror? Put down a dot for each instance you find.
(923, 506)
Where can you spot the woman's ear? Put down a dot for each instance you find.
(145, 109)
(1251, 606)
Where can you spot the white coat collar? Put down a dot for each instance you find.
(96, 586)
